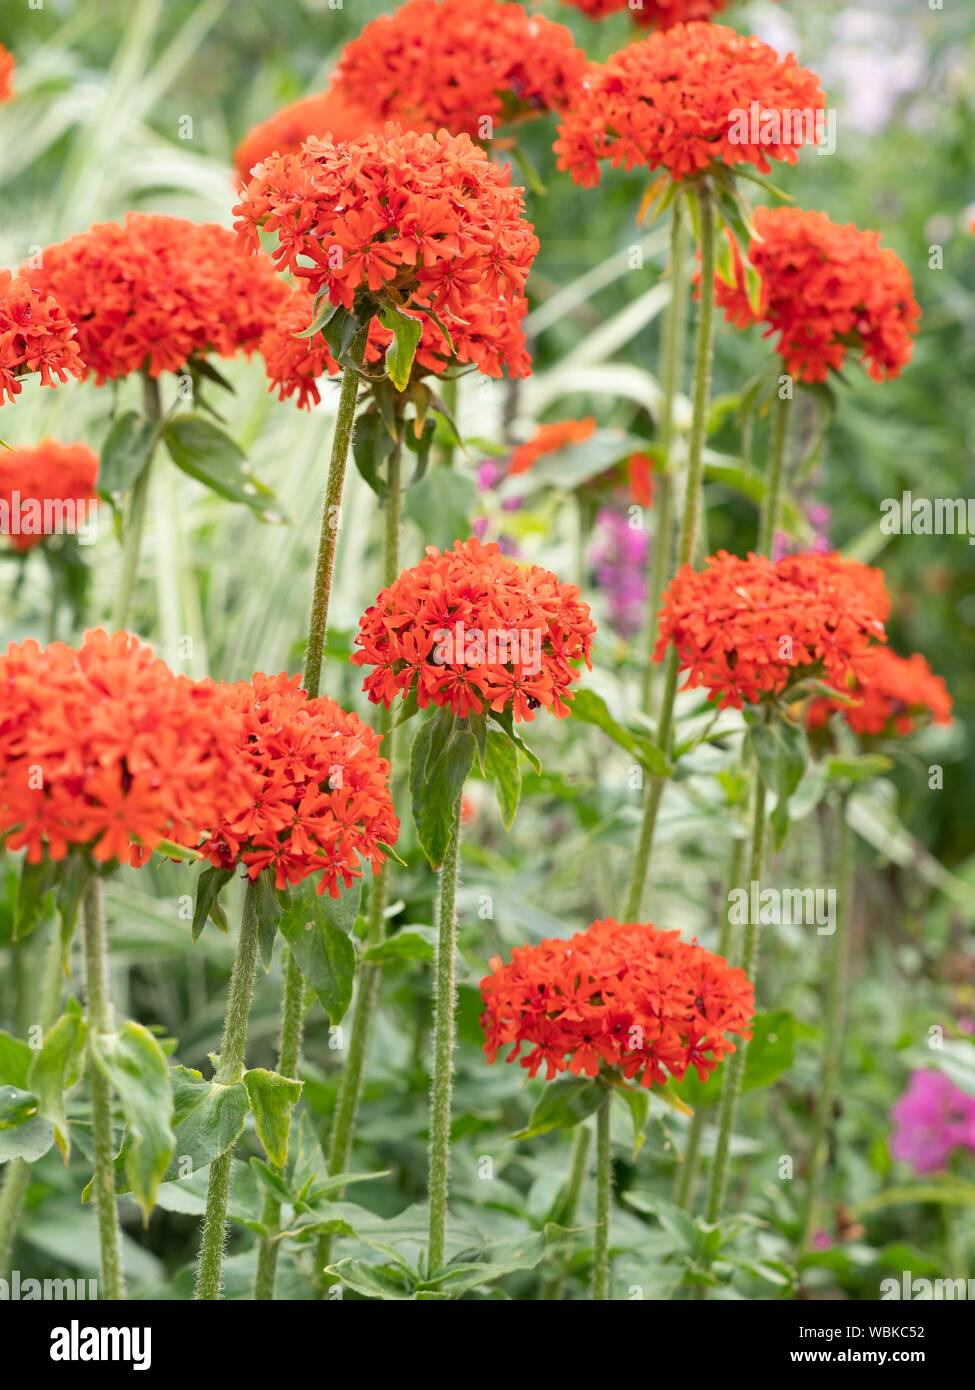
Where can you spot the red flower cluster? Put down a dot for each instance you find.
(326, 114)
(892, 693)
(36, 335)
(618, 995)
(6, 74)
(470, 628)
(662, 14)
(156, 291)
(748, 628)
(320, 796)
(684, 99)
(549, 439)
(33, 481)
(424, 222)
(451, 64)
(105, 747)
(825, 289)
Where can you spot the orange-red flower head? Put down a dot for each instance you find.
(748, 628)
(104, 747)
(621, 996)
(449, 64)
(423, 222)
(892, 695)
(6, 74)
(36, 335)
(826, 290)
(471, 629)
(687, 98)
(49, 486)
(549, 439)
(321, 798)
(662, 14)
(323, 114)
(157, 291)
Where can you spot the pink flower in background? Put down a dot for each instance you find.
(818, 515)
(932, 1119)
(619, 559)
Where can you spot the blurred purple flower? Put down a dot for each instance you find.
(819, 516)
(619, 560)
(932, 1119)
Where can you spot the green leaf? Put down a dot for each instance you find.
(440, 760)
(371, 447)
(442, 505)
(951, 1193)
(33, 904)
(30, 1140)
(325, 310)
(272, 1099)
(268, 915)
(505, 721)
(385, 1282)
(16, 1106)
(857, 769)
(55, 1069)
(590, 708)
(136, 1068)
(339, 332)
(782, 752)
(125, 453)
(413, 943)
(208, 888)
(564, 1104)
(505, 772)
(75, 873)
(406, 333)
(316, 929)
(15, 1060)
(206, 453)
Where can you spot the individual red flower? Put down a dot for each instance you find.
(639, 471)
(326, 113)
(826, 290)
(449, 64)
(6, 75)
(685, 99)
(321, 799)
(549, 439)
(619, 996)
(51, 485)
(892, 693)
(662, 14)
(746, 628)
(154, 292)
(425, 223)
(106, 748)
(470, 629)
(36, 335)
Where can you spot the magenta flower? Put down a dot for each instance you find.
(932, 1119)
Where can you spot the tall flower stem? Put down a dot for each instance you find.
(444, 1027)
(101, 1020)
(604, 1192)
(672, 359)
(735, 1066)
(16, 1178)
(569, 1206)
(687, 1172)
(703, 355)
(135, 514)
(773, 483)
(331, 505)
(833, 1023)
(229, 1073)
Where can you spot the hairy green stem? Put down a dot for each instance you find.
(101, 1020)
(772, 501)
(604, 1192)
(735, 1066)
(135, 512)
(331, 517)
(690, 521)
(672, 360)
(833, 1025)
(230, 1071)
(444, 1026)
